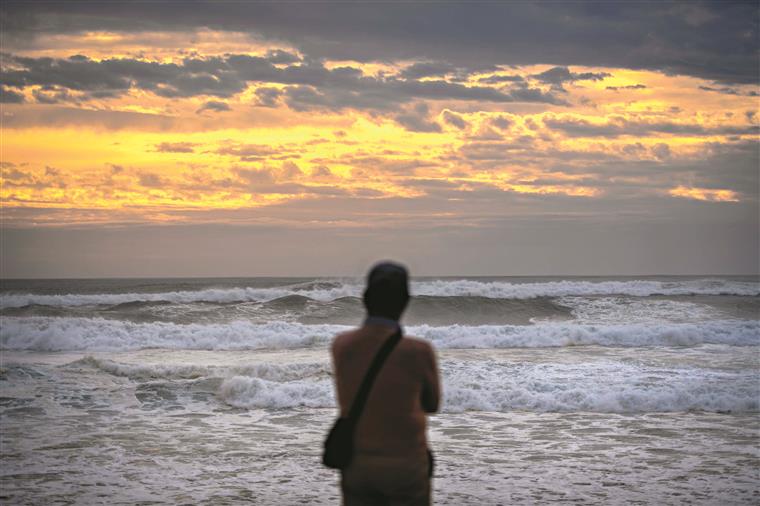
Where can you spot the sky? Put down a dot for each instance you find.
(314, 138)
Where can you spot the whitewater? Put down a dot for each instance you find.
(219, 391)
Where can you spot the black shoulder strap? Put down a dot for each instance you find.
(361, 397)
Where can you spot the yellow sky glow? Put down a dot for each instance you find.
(140, 153)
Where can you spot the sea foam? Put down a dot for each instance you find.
(99, 334)
(605, 387)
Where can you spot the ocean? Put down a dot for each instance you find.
(614, 390)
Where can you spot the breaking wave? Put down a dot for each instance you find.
(605, 387)
(98, 334)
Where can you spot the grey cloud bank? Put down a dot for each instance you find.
(712, 40)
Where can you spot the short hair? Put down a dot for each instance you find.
(387, 292)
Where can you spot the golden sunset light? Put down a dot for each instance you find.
(195, 123)
(454, 252)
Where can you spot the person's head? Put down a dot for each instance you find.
(387, 292)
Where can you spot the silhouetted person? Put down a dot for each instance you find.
(390, 463)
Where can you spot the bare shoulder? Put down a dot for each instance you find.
(339, 341)
(418, 346)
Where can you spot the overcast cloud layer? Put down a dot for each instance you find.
(228, 138)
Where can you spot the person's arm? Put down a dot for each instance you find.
(431, 387)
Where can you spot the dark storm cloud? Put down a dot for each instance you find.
(711, 40)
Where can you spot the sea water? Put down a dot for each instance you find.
(220, 391)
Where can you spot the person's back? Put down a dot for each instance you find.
(390, 462)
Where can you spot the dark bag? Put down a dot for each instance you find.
(339, 445)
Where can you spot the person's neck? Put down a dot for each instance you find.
(381, 320)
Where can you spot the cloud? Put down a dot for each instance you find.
(616, 127)
(661, 151)
(454, 120)
(706, 194)
(176, 147)
(278, 56)
(14, 174)
(255, 176)
(308, 84)
(501, 79)
(321, 171)
(416, 119)
(557, 76)
(57, 116)
(290, 170)
(661, 37)
(8, 96)
(53, 95)
(249, 152)
(628, 87)
(730, 91)
(364, 164)
(501, 122)
(427, 69)
(525, 94)
(500, 151)
(268, 97)
(51, 177)
(214, 105)
(150, 180)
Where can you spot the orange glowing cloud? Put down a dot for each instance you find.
(706, 194)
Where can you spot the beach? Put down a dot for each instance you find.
(220, 391)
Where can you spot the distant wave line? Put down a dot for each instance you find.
(328, 291)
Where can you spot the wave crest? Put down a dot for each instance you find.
(603, 387)
(98, 334)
